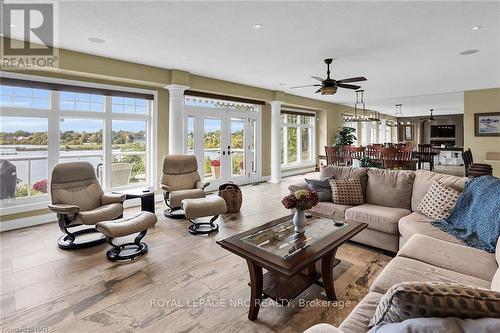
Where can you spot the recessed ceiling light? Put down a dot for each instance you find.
(12, 25)
(476, 27)
(96, 40)
(468, 52)
(257, 26)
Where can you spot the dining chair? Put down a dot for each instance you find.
(333, 155)
(346, 154)
(426, 155)
(389, 158)
(374, 153)
(405, 158)
(475, 169)
(357, 153)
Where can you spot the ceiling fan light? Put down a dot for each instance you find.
(328, 90)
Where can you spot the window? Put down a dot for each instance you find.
(23, 157)
(297, 133)
(81, 102)
(111, 132)
(20, 97)
(128, 165)
(128, 105)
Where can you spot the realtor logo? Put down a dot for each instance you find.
(28, 36)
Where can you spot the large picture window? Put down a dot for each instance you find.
(42, 127)
(297, 138)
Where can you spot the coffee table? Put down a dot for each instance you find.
(289, 257)
(147, 196)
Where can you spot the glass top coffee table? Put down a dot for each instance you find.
(290, 257)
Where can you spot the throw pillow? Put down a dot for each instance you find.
(440, 325)
(438, 201)
(321, 188)
(435, 299)
(347, 191)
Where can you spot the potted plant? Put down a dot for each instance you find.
(345, 136)
(301, 200)
(369, 163)
(41, 186)
(215, 168)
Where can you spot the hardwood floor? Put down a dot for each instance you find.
(185, 283)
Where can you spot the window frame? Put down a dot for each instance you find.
(55, 113)
(285, 125)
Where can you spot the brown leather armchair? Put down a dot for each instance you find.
(78, 199)
(180, 180)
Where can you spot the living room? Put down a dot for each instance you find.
(269, 172)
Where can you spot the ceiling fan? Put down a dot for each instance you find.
(329, 86)
(431, 117)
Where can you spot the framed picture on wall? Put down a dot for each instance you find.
(408, 131)
(487, 124)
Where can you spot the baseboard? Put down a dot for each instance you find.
(51, 217)
(27, 222)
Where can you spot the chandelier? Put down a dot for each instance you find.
(399, 110)
(363, 116)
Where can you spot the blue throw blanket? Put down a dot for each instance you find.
(475, 218)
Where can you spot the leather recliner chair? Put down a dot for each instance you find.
(78, 199)
(180, 180)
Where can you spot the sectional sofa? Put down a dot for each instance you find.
(424, 253)
(391, 201)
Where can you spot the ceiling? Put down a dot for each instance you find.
(402, 48)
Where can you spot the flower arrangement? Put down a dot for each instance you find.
(215, 163)
(41, 186)
(301, 199)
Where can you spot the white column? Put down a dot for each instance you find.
(175, 118)
(383, 129)
(376, 132)
(366, 133)
(275, 141)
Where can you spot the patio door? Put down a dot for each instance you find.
(224, 142)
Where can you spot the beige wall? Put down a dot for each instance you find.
(481, 101)
(84, 67)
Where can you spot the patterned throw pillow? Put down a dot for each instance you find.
(438, 201)
(347, 191)
(435, 299)
(321, 188)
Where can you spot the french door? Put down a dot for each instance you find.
(224, 142)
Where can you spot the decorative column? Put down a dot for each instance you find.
(366, 133)
(175, 118)
(376, 127)
(275, 141)
(383, 129)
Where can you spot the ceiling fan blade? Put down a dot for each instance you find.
(309, 85)
(317, 91)
(348, 86)
(317, 78)
(352, 79)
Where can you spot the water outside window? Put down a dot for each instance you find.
(128, 164)
(81, 139)
(23, 150)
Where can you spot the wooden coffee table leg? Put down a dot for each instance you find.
(327, 275)
(256, 289)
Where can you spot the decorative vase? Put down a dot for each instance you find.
(299, 220)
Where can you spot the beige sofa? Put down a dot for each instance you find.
(425, 253)
(391, 201)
